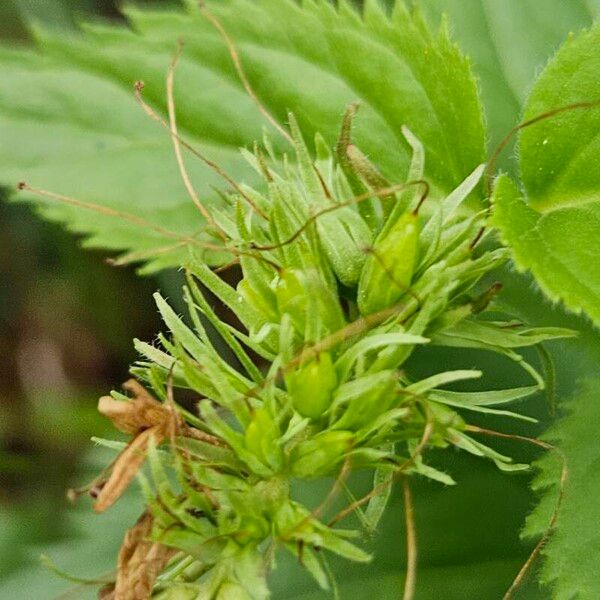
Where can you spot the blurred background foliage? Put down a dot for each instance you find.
(66, 324)
(67, 320)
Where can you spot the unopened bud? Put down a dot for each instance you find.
(312, 385)
(344, 234)
(388, 270)
(262, 436)
(320, 455)
(299, 292)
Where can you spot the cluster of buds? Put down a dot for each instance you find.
(344, 277)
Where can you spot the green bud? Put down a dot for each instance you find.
(300, 293)
(318, 456)
(312, 385)
(388, 270)
(344, 235)
(369, 397)
(252, 529)
(262, 436)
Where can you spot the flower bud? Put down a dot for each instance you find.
(302, 292)
(320, 455)
(262, 436)
(389, 268)
(311, 386)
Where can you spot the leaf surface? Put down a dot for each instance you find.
(572, 554)
(97, 145)
(509, 42)
(553, 227)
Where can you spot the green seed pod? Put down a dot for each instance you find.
(312, 385)
(261, 437)
(367, 398)
(302, 292)
(318, 456)
(389, 268)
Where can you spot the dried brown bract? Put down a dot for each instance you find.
(140, 563)
(149, 422)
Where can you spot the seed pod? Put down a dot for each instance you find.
(389, 268)
(312, 385)
(261, 437)
(318, 456)
(302, 292)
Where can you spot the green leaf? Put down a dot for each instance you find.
(508, 42)
(85, 534)
(420, 387)
(575, 359)
(559, 164)
(543, 243)
(382, 479)
(558, 155)
(97, 145)
(573, 552)
(374, 342)
(478, 401)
